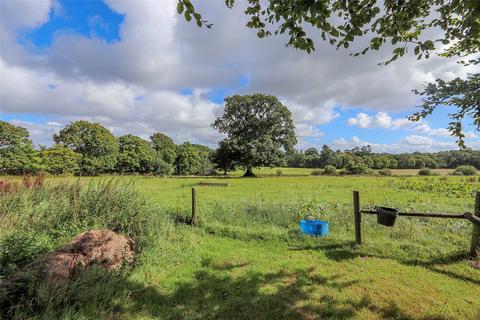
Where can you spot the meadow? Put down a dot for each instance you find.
(246, 258)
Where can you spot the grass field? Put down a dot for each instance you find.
(247, 260)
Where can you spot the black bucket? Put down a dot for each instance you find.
(387, 216)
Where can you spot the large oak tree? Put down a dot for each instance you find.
(259, 130)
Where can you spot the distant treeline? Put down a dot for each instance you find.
(361, 158)
(86, 148)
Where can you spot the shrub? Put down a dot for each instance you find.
(357, 168)
(278, 172)
(385, 172)
(330, 170)
(342, 172)
(316, 172)
(425, 172)
(17, 249)
(465, 171)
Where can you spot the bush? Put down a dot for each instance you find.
(17, 249)
(160, 167)
(330, 170)
(465, 171)
(425, 172)
(278, 172)
(357, 168)
(385, 172)
(316, 172)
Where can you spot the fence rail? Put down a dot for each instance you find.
(474, 218)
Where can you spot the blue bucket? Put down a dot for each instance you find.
(314, 227)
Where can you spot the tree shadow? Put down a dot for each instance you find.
(217, 292)
(346, 251)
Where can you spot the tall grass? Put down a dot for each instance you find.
(411, 239)
(36, 220)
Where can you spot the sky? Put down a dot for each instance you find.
(138, 67)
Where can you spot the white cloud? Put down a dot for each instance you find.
(439, 132)
(132, 85)
(379, 120)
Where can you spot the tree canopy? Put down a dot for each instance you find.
(135, 154)
(449, 27)
(17, 155)
(463, 94)
(94, 142)
(60, 159)
(259, 130)
(340, 23)
(164, 146)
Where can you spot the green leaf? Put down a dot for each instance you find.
(180, 7)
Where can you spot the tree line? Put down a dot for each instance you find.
(360, 159)
(86, 148)
(258, 131)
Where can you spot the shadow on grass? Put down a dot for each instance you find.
(215, 291)
(342, 251)
(223, 292)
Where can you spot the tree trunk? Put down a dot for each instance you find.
(249, 172)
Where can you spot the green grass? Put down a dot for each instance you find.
(247, 259)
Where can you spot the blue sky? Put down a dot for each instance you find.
(138, 67)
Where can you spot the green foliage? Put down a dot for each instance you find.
(316, 172)
(389, 23)
(60, 159)
(462, 94)
(164, 147)
(357, 168)
(224, 158)
(193, 159)
(19, 248)
(466, 171)
(135, 155)
(160, 167)
(259, 130)
(330, 170)
(94, 142)
(438, 187)
(17, 155)
(425, 172)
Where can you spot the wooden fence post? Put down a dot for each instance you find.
(194, 207)
(358, 217)
(475, 245)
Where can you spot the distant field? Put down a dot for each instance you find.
(247, 259)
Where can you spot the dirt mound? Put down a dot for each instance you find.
(102, 247)
(98, 247)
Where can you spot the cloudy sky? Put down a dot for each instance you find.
(137, 67)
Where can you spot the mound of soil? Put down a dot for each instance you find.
(98, 247)
(101, 247)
